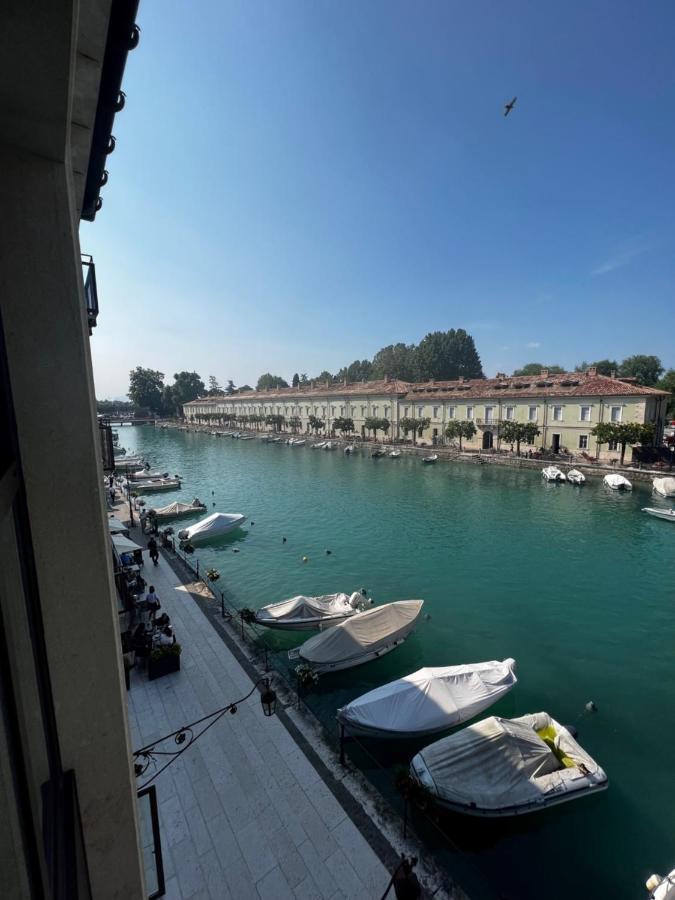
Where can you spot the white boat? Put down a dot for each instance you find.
(156, 484)
(394, 454)
(305, 613)
(361, 638)
(377, 453)
(617, 483)
(329, 445)
(212, 526)
(667, 514)
(275, 440)
(247, 437)
(176, 510)
(300, 443)
(428, 700)
(430, 459)
(145, 474)
(319, 446)
(553, 473)
(664, 486)
(507, 767)
(350, 448)
(661, 887)
(574, 476)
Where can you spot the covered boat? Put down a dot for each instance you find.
(329, 445)
(574, 476)
(299, 443)
(664, 486)
(661, 887)
(361, 638)
(176, 510)
(305, 613)
(349, 449)
(507, 767)
(394, 454)
(553, 473)
(430, 459)
(144, 474)
(667, 514)
(319, 446)
(212, 526)
(617, 483)
(428, 700)
(156, 484)
(377, 453)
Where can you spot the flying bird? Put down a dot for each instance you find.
(509, 106)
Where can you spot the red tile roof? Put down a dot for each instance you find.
(309, 392)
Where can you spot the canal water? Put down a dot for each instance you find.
(577, 584)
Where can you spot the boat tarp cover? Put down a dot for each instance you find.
(616, 480)
(212, 526)
(491, 763)
(302, 607)
(431, 699)
(176, 509)
(124, 544)
(665, 486)
(363, 633)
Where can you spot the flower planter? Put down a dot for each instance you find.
(169, 662)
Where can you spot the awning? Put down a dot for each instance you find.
(116, 526)
(124, 544)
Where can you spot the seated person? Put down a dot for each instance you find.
(165, 637)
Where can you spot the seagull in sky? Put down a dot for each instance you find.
(509, 106)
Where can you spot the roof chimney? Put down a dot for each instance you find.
(591, 371)
(544, 373)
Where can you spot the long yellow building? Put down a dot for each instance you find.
(565, 408)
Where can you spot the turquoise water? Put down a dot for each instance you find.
(575, 583)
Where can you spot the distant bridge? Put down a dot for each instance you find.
(130, 420)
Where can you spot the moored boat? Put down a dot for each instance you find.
(350, 448)
(574, 476)
(156, 484)
(361, 638)
(329, 445)
(306, 613)
(430, 459)
(299, 443)
(553, 473)
(667, 514)
(176, 510)
(213, 526)
(377, 453)
(507, 767)
(664, 486)
(661, 887)
(394, 454)
(617, 482)
(429, 700)
(319, 446)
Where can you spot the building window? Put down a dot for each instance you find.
(309, 410)
(435, 412)
(489, 413)
(532, 414)
(406, 410)
(323, 411)
(420, 410)
(584, 414)
(583, 442)
(353, 411)
(613, 445)
(375, 410)
(386, 412)
(615, 413)
(363, 411)
(469, 412)
(342, 410)
(451, 412)
(332, 410)
(557, 413)
(510, 412)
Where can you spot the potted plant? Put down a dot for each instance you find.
(164, 660)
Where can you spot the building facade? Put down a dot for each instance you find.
(565, 408)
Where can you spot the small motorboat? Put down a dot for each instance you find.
(430, 459)
(664, 486)
(177, 510)
(661, 887)
(574, 476)
(275, 440)
(617, 483)
(667, 514)
(377, 453)
(247, 437)
(156, 484)
(300, 443)
(553, 473)
(507, 767)
(145, 474)
(428, 700)
(350, 448)
(329, 445)
(319, 446)
(213, 526)
(361, 638)
(394, 454)
(305, 613)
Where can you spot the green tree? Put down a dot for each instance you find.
(295, 424)
(516, 432)
(602, 366)
(268, 382)
(304, 379)
(296, 380)
(667, 383)
(316, 424)
(343, 425)
(447, 355)
(276, 421)
(359, 370)
(214, 387)
(244, 387)
(111, 407)
(372, 423)
(407, 424)
(230, 388)
(395, 360)
(459, 429)
(645, 369)
(623, 433)
(186, 386)
(325, 376)
(536, 369)
(145, 388)
(604, 433)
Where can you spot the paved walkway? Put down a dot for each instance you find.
(244, 814)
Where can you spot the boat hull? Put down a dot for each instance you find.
(327, 668)
(510, 811)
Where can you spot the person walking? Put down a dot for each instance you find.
(152, 603)
(154, 552)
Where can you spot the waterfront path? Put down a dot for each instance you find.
(243, 813)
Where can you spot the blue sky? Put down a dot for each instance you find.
(298, 183)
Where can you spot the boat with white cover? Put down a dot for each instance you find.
(430, 459)
(617, 483)
(156, 484)
(319, 446)
(507, 767)
(667, 514)
(574, 476)
(300, 443)
(145, 474)
(377, 453)
(306, 613)
(213, 526)
(661, 887)
(350, 448)
(553, 473)
(177, 510)
(329, 445)
(429, 700)
(394, 454)
(664, 486)
(361, 638)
